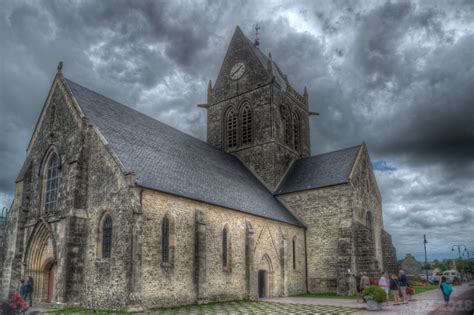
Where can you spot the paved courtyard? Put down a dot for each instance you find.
(263, 307)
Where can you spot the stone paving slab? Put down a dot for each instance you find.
(262, 307)
(421, 304)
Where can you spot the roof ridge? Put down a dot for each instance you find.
(330, 152)
(140, 113)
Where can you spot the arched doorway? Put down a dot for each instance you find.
(265, 277)
(48, 281)
(40, 263)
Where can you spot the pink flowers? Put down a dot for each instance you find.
(17, 303)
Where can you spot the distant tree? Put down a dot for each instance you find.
(442, 266)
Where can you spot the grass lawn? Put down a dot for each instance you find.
(424, 289)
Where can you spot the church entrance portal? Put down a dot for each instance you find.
(265, 277)
(40, 263)
(48, 281)
(262, 274)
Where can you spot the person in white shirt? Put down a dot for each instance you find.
(384, 283)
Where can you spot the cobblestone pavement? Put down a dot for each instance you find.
(263, 307)
(422, 303)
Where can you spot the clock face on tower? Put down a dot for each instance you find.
(237, 71)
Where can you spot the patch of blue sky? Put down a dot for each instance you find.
(383, 166)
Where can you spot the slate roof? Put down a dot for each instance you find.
(168, 160)
(318, 171)
(277, 73)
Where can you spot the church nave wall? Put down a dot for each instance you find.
(197, 273)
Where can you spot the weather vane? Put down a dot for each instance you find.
(257, 40)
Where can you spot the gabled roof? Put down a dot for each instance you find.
(319, 171)
(168, 160)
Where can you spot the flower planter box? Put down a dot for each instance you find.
(373, 305)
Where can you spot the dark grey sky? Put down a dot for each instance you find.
(397, 75)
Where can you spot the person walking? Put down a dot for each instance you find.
(22, 288)
(395, 290)
(403, 280)
(29, 291)
(359, 291)
(364, 283)
(384, 283)
(446, 288)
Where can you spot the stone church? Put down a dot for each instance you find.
(116, 210)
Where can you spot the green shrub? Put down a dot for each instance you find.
(375, 293)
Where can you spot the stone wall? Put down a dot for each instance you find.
(196, 273)
(327, 214)
(367, 199)
(390, 261)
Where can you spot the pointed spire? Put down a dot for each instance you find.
(209, 92)
(305, 95)
(237, 29)
(270, 55)
(269, 65)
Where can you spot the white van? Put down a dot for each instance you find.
(451, 274)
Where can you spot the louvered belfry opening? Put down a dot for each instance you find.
(231, 125)
(296, 132)
(246, 124)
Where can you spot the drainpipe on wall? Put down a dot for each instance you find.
(306, 259)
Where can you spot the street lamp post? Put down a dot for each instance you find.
(426, 257)
(459, 249)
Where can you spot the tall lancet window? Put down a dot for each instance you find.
(225, 259)
(246, 124)
(296, 132)
(165, 240)
(52, 183)
(231, 127)
(107, 237)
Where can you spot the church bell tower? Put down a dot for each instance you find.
(254, 113)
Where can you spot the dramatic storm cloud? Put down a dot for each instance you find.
(397, 75)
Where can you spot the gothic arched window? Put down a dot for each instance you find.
(296, 132)
(294, 253)
(165, 240)
(231, 128)
(368, 223)
(51, 184)
(285, 115)
(246, 124)
(106, 236)
(225, 259)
